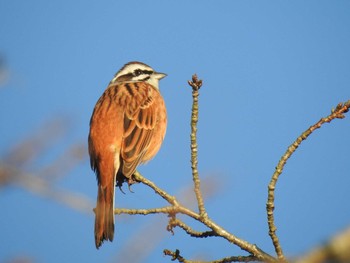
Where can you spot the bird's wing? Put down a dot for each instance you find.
(140, 119)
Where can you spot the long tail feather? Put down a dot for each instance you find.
(104, 221)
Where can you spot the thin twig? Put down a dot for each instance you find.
(161, 210)
(196, 85)
(170, 199)
(174, 222)
(175, 255)
(337, 113)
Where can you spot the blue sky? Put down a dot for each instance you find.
(270, 70)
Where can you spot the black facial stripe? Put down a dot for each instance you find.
(138, 72)
(146, 78)
(148, 72)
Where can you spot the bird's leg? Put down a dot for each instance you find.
(129, 186)
(120, 179)
(120, 188)
(131, 181)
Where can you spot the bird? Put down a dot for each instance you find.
(127, 128)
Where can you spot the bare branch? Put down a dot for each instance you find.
(179, 208)
(134, 249)
(170, 199)
(161, 210)
(174, 222)
(338, 112)
(196, 85)
(175, 255)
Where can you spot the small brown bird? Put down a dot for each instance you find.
(127, 128)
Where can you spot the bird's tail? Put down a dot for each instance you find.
(104, 221)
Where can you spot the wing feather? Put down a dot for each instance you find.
(139, 123)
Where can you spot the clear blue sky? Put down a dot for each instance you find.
(270, 70)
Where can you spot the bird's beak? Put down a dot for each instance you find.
(159, 75)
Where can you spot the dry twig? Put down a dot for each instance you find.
(337, 113)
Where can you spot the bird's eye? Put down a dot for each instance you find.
(138, 72)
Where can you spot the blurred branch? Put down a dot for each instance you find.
(37, 143)
(336, 250)
(337, 113)
(4, 71)
(20, 259)
(41, 187)
(15, 168)
(64, 163)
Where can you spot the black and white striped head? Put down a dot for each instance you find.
(138, 72)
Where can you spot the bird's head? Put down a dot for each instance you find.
(138, 72)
